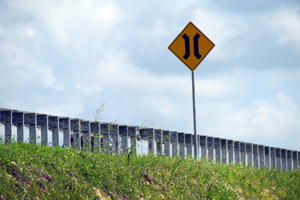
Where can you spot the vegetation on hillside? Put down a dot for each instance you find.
(41, 172)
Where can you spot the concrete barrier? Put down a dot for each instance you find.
(18, 121)
(217, 146)
(189, 144)
(148, 134)
(174, 142)
(243, 152)
(249, 148)
(75, 128)
(230, 149)
(278, 158)
(237, 155)
(167, 143)
(181, 144)
(261, 152)
(95, 130)
(159, 141)
(210, 147)
(272, 157)
(114, 138)
(133, 133)
(203, 145)
(255, 155)
(224, 151)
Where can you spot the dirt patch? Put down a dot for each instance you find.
(44, 176)
(17, 174)
(99, 194)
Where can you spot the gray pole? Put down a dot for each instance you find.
(194, 113)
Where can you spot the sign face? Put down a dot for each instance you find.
(191, 46)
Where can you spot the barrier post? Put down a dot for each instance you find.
(267, 157)
(203, 145)
(283, 159)
(30, 120)
(114, 132)
(278, 159)
(6, 119)
(18, 121)
(174, 142)
(237, 157)
(273, 158)
(64, 124)
(42, 120)
(243, 152)
(189, 144)
(230, 150)
(181, 142)
(105, 131)
(95, 129)
(210, 148)
(199, 147)
(75, 127)
(148, 134)
(289, 159)
(298, 161)
(132, 133)
(85, 131)
(255, 155)
(224, 151)
(53, 126)
(217, 147)
(261, 152)
(123, 132)
(295, 160)
(152, 143)
(166, 141)
(159, 142)
(249, 147)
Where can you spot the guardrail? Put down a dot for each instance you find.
(111, 137)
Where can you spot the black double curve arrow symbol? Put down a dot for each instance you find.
(187, 46)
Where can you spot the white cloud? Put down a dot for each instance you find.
(69, 57)
(153, 36)
(226, 30)
(72, 22)
(21, 72)
(87, 88)
(286, 24)
(12, 53)
(117, 72)
(274, 119)
(281, 79)
(163, 105)
(29, 32)
(221, 88)
(71, 109)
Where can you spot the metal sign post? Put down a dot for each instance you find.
(196, 153)
(191, 46)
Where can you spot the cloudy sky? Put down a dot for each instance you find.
(68, 58)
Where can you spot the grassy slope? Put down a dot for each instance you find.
(29, 171)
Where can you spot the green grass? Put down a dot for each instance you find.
(40, 172)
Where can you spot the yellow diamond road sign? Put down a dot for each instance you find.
(191, 46)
